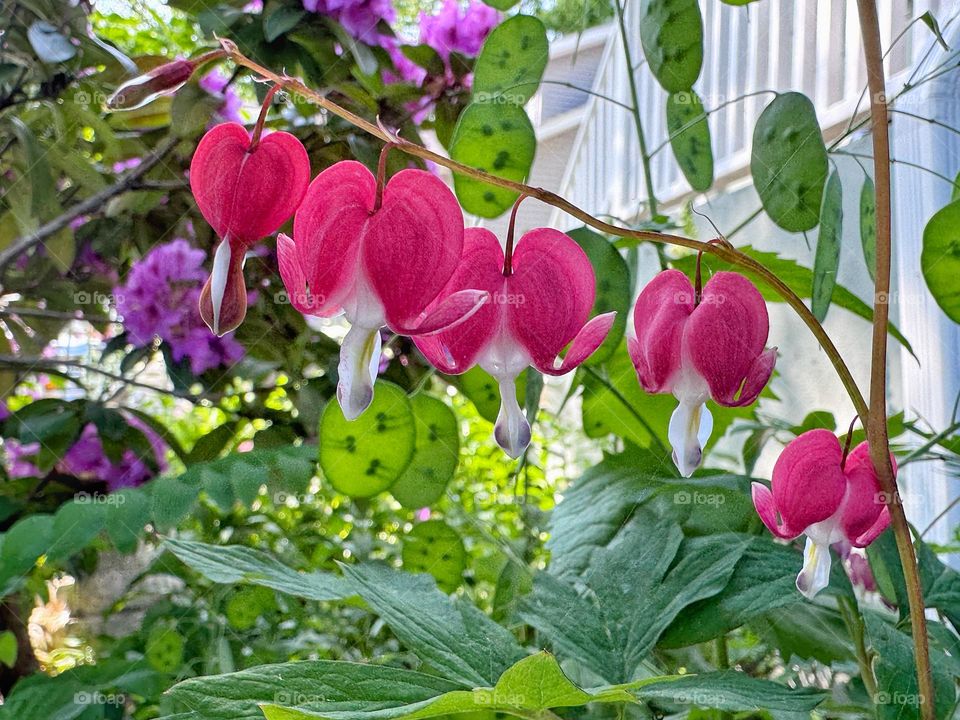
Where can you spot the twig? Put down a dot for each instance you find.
(879, 442)
(91, 204)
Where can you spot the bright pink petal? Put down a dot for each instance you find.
(248, 195)
(865, 500)
(327, 232)
(808, 484)
(412, 244)
(455, 350)
(659, 317)
(550, 293)
(451, 311)
(873, 532)
(725, 338)
(298, 293)
(767, 510)
(584, 344)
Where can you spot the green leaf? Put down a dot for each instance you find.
(897, 690)
(127, 513)
(496, 138)
(435, 457)
(43, 192)
(452, 636)
(868, 226)
(8, 648)
(209, 446)
(940, 258)
(671, 32)
(734, 691)
(49, 45)
(511, 62)
(763, 580)
(797, 277)
(636, 587)
(75, 525)
(482, 390)
(827, 258)
(436, 548)
(232, 564)
(931, 22)
(23, 544)
(424, 56)
(789, 162)
(279, 19)
(364, 457)
(806, 631)
(501, 5)
(613, 286)
(173, 498)
(690, 138)
(316, 684)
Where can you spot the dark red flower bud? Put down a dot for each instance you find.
(164, 79)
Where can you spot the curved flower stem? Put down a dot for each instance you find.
(876, 425)
(853, 619)
(724, 252)
(508, 250)
(261, 119)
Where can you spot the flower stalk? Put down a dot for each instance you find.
(876, 423)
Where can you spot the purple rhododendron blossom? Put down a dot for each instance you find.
(458, 30)
(87, 460)
(359, 18)
(160, 298)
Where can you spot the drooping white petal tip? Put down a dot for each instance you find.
(218, 280)
(358, 369)
(689, 431)
(815, 575)
(511, 431)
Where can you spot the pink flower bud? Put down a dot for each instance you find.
(139, 91)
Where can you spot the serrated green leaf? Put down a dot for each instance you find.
(496, 138)
(827, 258)
(789, 162)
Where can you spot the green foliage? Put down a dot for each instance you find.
(671, 32)
(940, 259)
(690, 138)
(827, 259)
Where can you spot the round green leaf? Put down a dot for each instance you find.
(496, 138)
(247, 604)
(789, 162)
(671, 32)
(868, 226)
(827, 257)
(164, 650)
(435, 459)
(482, 390)
(366, 456)
(501, 5)
(613, 286)
(690, 138)
(434, 547)
(511, 62)
(940, 259)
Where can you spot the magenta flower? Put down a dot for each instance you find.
(541, 296)
(819, 494)
(458, 30)
(217, 83)
(381, 257)
(700, 348)
(360, 18)
(246, 189)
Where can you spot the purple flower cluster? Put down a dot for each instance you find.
(360, 18)
(87, 460)
(458, 30)
(216, 83)
(160, 298)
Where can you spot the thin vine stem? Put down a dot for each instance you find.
(896, 161)
(723, 252)
(877, 436)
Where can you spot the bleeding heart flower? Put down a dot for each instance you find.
(541, 299)
(382, 258)
(818, 494)
(246, 189)
(700, 348)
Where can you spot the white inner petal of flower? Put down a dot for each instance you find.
(691, 423)
(360, 351)
(505, 359)
(815, 575)
(218, 280)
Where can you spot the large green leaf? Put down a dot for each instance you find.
(340, 686)
(940, 258)
(613, 286)
(827, 258)
(452, 636)
(797, 277)
(511, 62)
(671, 32)
(789, 162)
(636, 586)
(364, 457)
(435, 458)
(231, 564)
(497, 138)
(690, 138)
(763, 580)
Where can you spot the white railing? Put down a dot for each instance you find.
(808, 45)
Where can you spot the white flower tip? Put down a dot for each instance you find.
(358, 368)
(511, 431)
(815, 575)
(689, 430)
